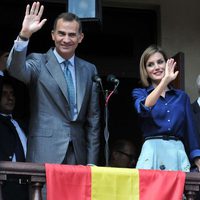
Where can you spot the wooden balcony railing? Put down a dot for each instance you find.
(34, 175)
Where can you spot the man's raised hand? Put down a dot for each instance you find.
(32, 21)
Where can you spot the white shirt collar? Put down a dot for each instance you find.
(198, 101)
(1, 73)
(6, 115)
(61, 59)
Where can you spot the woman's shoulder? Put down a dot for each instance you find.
(139, 92)
(181, 93)
(143, 89)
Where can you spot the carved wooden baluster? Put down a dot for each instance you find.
(190, 195)
(37, 191)
(1, 183)
(190, 191)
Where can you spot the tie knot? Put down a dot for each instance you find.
(66, 63)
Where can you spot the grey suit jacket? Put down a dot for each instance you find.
(51, 126)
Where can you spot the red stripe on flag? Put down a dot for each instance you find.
(161, 185)
(68, 182)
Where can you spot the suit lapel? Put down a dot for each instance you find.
(196, 107)
(56, 72)
(9, 124)
(81, 82)
(23, 125)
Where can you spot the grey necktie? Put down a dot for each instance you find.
(70, 87)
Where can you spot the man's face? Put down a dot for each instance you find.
(7, 101)
(66, 37)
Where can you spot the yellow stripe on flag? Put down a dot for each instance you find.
(114, 183)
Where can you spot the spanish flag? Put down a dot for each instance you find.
(74, 182)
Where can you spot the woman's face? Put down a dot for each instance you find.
(155, 67)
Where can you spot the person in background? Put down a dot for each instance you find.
(123, 154)
(196, 106)
(196, 113)
(65, 114)
(3, 59)
(21, 110)
(13, 142)
(165, 116)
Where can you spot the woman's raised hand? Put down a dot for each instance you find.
(170, 73)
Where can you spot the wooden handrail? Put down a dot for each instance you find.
(34, 173)
(25, 167)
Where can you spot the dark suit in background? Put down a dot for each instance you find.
(196, 112)
(196, 107)
(11, 190)
(7, 138)
(22, 107)
(11, 148)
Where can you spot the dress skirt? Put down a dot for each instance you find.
(162, 154)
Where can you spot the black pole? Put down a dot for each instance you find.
(106, 131)
(107, 94)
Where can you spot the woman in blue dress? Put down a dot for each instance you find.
(165, 116)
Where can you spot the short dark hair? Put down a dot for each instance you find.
(6, 81)
(68, 17)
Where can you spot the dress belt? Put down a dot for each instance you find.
(163, 137)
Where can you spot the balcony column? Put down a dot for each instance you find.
(191, 191)
(1, 183)
(190, 195)
(37, 184)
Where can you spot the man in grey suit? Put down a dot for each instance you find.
(60, 131)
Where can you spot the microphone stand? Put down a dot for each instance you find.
(106, 94)
(106, 131)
